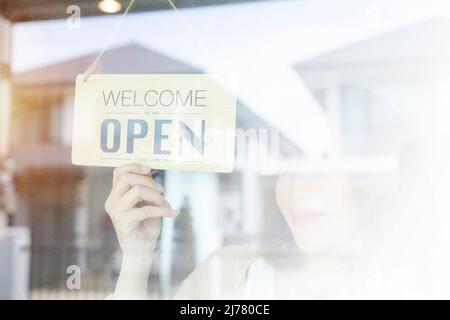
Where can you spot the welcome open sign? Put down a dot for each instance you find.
(179, 122)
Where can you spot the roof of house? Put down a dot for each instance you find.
(130, 58)
(424, 41)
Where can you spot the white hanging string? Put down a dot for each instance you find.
(94, 64)
(190, 31)
(180, 17)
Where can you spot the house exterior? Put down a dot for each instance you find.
(383, 91)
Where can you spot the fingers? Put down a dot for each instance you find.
(137, 194)
(135, 168)
(127, 176)
(127, 180)
(149, 212)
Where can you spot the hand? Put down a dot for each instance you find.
(136, 205)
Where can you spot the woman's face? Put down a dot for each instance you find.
(315, 210)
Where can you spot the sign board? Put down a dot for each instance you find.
(175, 122)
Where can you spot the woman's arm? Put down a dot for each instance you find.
(133, 277)
(136, 205)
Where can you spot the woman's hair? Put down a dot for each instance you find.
(281, 248)
(276, 242)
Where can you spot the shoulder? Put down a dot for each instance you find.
(220, 276)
